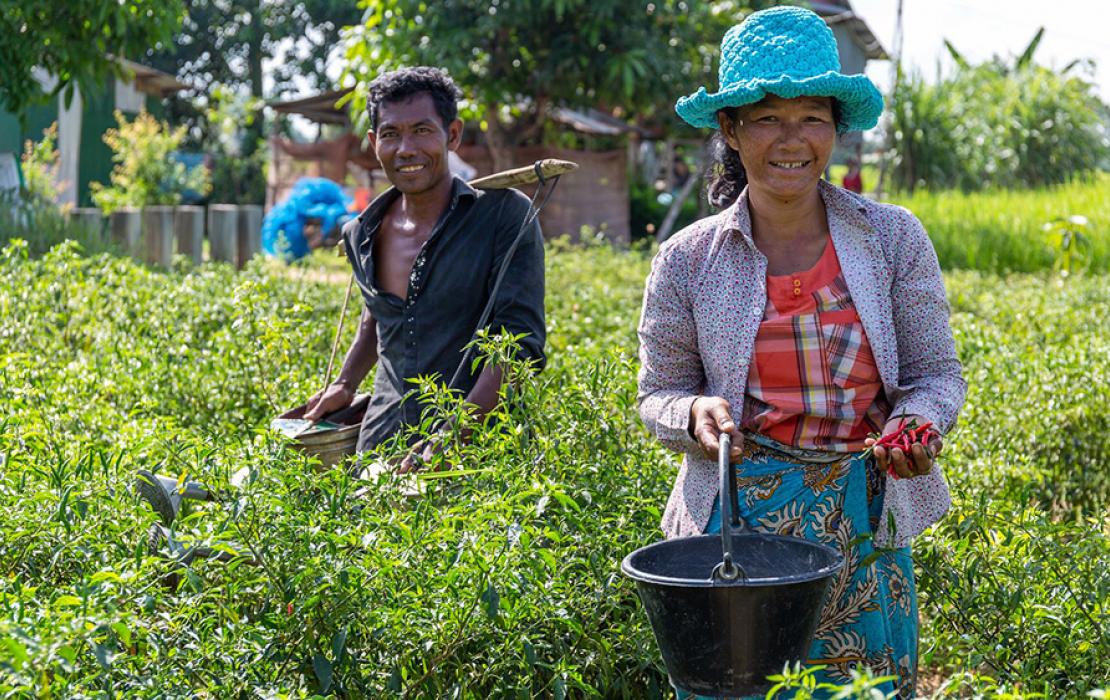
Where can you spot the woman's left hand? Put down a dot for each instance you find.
(920, 460)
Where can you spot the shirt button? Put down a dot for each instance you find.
(797, 283)
(797, 292)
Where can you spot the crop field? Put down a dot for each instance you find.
(503, 579)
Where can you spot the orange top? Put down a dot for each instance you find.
(813, 381)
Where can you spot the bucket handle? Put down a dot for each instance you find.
(728, 570)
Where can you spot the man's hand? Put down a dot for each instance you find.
(709, 417)
(920, 460)
(330, 400)
(422, 453)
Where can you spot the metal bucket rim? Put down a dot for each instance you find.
(636, 575)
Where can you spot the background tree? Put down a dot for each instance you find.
(517, 60)
(226, 44)
(74, 41)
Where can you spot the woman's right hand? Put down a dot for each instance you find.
(709, 417)
(330, 400)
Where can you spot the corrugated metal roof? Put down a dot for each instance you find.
(151, 80)
(840, 11)
(318, 108)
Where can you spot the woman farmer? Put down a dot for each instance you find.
(801, 319)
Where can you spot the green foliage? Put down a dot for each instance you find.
(39, 165)
(803, 684)
(74, 41)
(239, 168)
(32, 214)
(223, 44)
(648, 207)
(520, 59)
(503, 579)
(996, 125)
(145, 173)
(1003, 230)
(1016, 579)
(1067, 235)
(305, 33)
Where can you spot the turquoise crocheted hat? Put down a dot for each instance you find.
(789, 52)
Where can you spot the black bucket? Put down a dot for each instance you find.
(728, 611)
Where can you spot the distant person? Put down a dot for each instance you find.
(853, 179)
(425, 254)
(801, 320)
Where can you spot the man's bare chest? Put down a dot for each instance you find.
(395, 251)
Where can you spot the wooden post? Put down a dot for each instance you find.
(250, 232)
(126, 226)
(158, 235)
(223, 226)
(90, 219)
(188, 228)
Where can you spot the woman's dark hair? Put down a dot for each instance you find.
(725, 172)
(405, 83)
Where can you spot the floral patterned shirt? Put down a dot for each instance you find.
(702, 309)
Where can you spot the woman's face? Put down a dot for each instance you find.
(783, 143)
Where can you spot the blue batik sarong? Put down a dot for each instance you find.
(870, 614)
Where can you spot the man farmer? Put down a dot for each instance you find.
(425, 254)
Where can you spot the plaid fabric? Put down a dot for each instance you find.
(813, 383)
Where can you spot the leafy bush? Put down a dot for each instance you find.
(995, 125)
(648, 208)
(145, 173)
(39, 165)
(32, 214)
(503, 580)
(239, 169)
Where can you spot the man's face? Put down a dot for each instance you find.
(412, 144)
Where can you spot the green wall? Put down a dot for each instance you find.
(95, 159)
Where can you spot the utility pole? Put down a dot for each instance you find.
(895, 78)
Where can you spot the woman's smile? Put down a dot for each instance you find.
(790, 164)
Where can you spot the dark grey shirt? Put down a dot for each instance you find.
(451, 281)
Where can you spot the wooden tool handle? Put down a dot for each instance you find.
(526, 175)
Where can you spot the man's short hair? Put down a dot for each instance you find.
(405, 83)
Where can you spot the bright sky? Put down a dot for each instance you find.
(981, 28)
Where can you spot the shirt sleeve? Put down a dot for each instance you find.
(929, 373)
(671, 372)
(350, 235)
(519, 305)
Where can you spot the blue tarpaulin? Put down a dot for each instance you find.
(311, 198)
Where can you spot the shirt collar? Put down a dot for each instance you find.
(374, 212)
(838, 203)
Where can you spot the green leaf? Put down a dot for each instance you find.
(339, 645)
(102, 576)
(17, 651)
(123, 631)
(492, 599)
(322, 667)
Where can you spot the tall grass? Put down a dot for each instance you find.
(995, 125)
(1002, 230)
